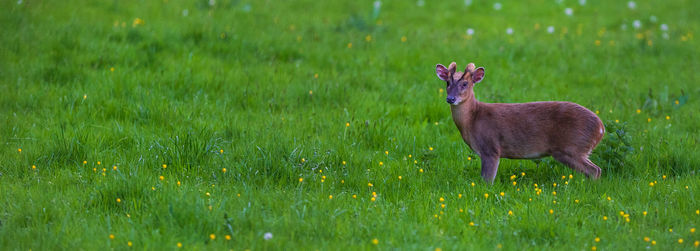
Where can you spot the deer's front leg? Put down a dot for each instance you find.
(489, 167)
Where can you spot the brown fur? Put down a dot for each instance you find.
(566, 131)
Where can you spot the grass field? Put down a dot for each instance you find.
(321, 125)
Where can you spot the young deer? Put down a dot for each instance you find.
(566, 131)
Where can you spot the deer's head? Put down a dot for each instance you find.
(460, 85)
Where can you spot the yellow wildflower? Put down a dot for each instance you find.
(137, 21)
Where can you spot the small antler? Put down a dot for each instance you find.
(470, 67)
(452, 68)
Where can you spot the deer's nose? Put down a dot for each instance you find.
(451, 100)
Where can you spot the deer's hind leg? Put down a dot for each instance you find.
(578, 163)
(594, 167)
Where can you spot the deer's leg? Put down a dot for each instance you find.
(594, 167)
(489, 167)
(580, 164)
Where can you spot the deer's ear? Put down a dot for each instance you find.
(478, 75)
(442, 72)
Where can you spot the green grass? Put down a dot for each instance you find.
(234, 86)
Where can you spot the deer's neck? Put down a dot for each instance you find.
(463, 116)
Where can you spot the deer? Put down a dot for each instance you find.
(564, 130)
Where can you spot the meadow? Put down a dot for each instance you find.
(321, 125)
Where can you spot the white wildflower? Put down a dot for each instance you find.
(420, 3)
(509, 31)
(665, 36)
(267, 236)
(467, 2)
(212, 2)
(497, 6)
(569, 11)
(631, 4)
(470, 32)
(652, 19)
(550, 29)
(582, 2)
(185, 12)
(663, 27)
(637, 24)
